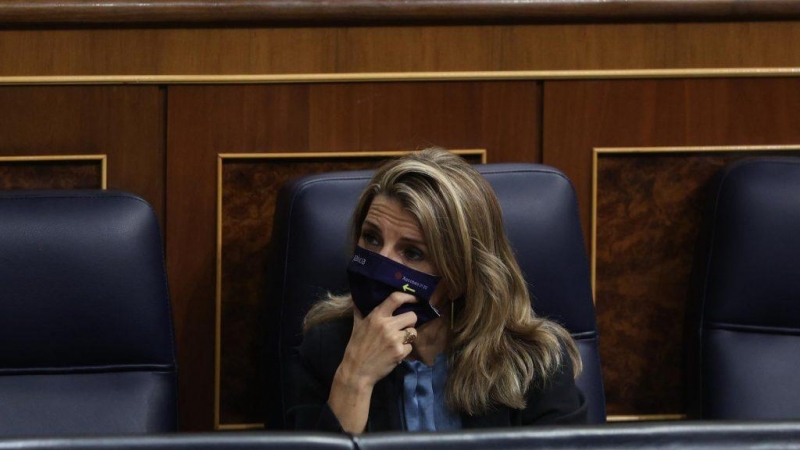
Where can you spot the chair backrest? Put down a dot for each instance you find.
(541, 217)
(745, 308)
(86, 343)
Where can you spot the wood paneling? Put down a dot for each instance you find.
(648, 217)
(582, 115)
(249, 190)
(126, 123)
(51, 174)
(632, 315)
(204, 121)
(502, 117)
(127, 12)
(209, 51)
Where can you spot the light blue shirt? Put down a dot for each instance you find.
(423, 404)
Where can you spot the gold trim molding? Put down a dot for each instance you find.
(221, 158)
(597, 152)
(645, 417)
(102, 158)
(758, 72)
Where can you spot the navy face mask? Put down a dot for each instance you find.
(374, 277)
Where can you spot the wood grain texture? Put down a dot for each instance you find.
(649, 212)
(138, 12)
(204, 121)
(250, 189)
(124, 122)
(51, 175)
(502, 117)
(221, 51)
(582, 115)
(639, 288)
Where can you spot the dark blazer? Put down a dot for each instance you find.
(308, 377)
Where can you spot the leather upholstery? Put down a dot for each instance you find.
(310, 252)
(191, 441)
(85, 320)
(703, 436)
(643, 435)
(745, 316)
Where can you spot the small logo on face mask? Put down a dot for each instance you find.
(424, 287)
(398, 276)
(359, 259)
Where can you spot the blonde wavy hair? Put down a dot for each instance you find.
(496, 340)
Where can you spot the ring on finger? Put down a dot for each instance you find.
(409, 337)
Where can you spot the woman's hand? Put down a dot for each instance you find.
(376, 344)
(376, 347)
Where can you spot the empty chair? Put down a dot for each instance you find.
(745, 310)
(310, 255)
(86, 341)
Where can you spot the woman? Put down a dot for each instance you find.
(392, 364)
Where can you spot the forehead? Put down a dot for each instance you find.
(388, 214)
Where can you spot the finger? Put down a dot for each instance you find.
(406, 340)
(408, 336)
(394, 301)
(403, 351)
(405, 320)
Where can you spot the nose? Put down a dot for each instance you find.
(387, 252)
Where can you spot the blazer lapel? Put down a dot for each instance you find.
(384, 407)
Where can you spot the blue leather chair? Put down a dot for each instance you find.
(190, 441)
(745, 310)
(310, 256)
(86, 340)
(618, 436)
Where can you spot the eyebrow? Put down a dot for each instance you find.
(368, 224)
(414, 241)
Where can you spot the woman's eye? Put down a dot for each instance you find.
(414, 254)
(370, 238)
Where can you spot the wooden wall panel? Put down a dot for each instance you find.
(638, 295)
(249, 191)
(52, 174)
(205, 51)
(581, 115)
(648, 216)
(126, 123)
(500, 117)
